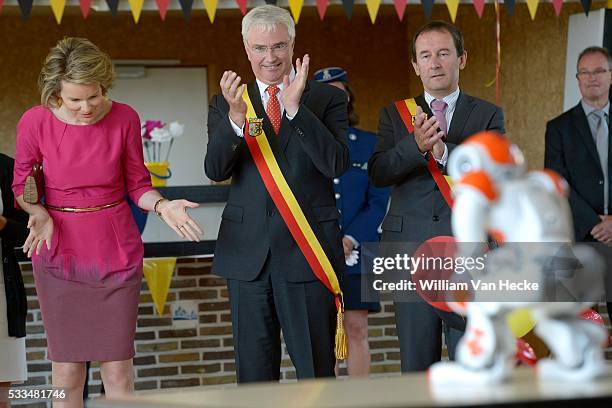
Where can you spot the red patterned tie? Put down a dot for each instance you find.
(273, 108)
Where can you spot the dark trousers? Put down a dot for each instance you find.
(261, 308)
(419, 329)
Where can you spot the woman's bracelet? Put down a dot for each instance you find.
(156, 204)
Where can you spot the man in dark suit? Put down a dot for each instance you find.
(578, 148)
(271, 285)
(444, 117)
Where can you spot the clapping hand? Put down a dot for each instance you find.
(232, 91)
(174, 213)
(292, 92)
(426, 135)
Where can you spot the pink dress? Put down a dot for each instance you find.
(88, 284)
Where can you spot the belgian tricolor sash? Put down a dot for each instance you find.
(407, 111)
(293, 216)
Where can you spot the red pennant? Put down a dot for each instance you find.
(85, 7)
(162, 6)
(1, 4)
(322, 8)
(479, 6)
(400, 7)
(557, 5)
(242, 4)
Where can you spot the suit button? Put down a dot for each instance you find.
(600, 182)
(5, 260)
(435, 218)
(353, 136)
(336, 181)
(270, 213)
(337, 195)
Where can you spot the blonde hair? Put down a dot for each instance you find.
(75, 60)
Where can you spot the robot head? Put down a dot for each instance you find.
(490, 152)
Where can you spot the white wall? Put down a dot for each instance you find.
(583, 32)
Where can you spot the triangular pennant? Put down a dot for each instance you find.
(26, 8)
(373, 6)
(557, 5)
(211, 9)
(479, 6)
(85, 7)
(510, 6)
(158, 274)
(273, 2)
(136, 6)
(427, 7)
(452, 6)
(400, 8)
(186, 5)
(242, 5)
(296, 8)
(586, 6)
(532, 5)
(348, 7)
(57, 6)
(162, 6)
(322, 8)
(113, 5)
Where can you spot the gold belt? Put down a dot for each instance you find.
(85, 209)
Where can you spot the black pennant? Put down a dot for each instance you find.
(26, 8)
(586, 6)
(273, 2)
(509, 6)
(427, 8)
(348, 7)
(186, 5)
(113, 5)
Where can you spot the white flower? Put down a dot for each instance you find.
(176, 129)
(160, 135)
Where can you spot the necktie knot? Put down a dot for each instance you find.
(273, 90)
(438, 105)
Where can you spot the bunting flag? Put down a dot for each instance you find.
(242, 5)
(158, 274)
(186, 5)
(557, 5)
(400, 8)
(532, 5)
(57, 6)
(162, 6)
(427, 7)
(273, 2)
(479, 6)
(26, 8)
(85, 6)
(296, 8)
(452, 6)
(586, 6)
(322, 7)
(113, 5)
(1, 4)
(348, 7)
(136, 6)
(509, 6)
(211, 9)
(373, 6)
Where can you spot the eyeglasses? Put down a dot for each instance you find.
(277, 49)
(587, 74)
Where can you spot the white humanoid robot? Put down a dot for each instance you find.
(529, 216)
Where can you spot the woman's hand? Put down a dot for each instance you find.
(174, 213)
(41, 231)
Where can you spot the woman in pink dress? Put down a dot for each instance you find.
(85, 247)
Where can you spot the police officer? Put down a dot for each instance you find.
(362, 207)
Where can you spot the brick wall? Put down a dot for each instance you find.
(168, 357)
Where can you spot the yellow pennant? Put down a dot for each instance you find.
(296, 8)
(136, 6)
(452, 5)
(373, 6)
(211, 8)
(610, 4)
(532, 5)
(158, 274)
(57, 6)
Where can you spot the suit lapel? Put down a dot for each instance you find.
(284, 133)
(582, 125)
(463, 109)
